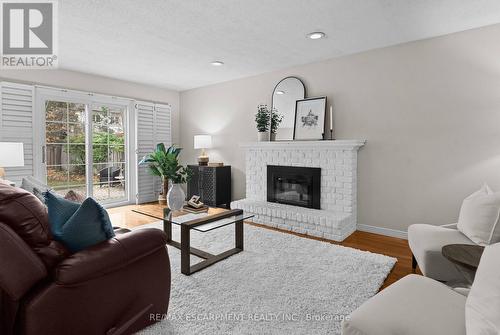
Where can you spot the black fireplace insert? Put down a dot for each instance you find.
(298, 186)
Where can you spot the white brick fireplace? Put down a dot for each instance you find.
(337, 159)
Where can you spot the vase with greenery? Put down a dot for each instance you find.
(164, 163)
(276, 119)
(262, 119)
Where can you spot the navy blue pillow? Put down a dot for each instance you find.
(78, 226)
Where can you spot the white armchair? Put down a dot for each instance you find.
(426, 242)
(416, 305)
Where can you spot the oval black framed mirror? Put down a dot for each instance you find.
(285, 94)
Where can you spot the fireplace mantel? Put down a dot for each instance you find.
(354, 144)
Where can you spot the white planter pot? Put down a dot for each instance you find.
(263, 136)
(175, 197)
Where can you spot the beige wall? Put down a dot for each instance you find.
(98, 84)
(430, 111)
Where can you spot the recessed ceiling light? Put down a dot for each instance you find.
(280, 92)
(217, 63)
(316, 35)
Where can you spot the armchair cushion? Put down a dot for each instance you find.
(78, 226)
(27, 217)
(479, 216)
(482, 309)
(35, 186)
(414, 305)
(109, 256)
(426, 242)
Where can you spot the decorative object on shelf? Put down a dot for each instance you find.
(262, 119)
(276, 119)
(189, 209)
(216, 164)
(11, 155)
(164, 163)
(331, 123)
(194, 205)
(203, 142)
(212, 184)
(285, 94)
(195, 202)
(310, 119)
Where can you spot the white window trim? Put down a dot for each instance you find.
(43, 93)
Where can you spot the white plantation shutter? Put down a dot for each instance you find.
(144, 112)
(16, 125)
(153, 126)
(163, 124)
(162, 130)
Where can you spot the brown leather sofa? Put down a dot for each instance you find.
(115, 287)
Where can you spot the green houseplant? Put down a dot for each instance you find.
(164, 163)
(262, 119)
(276, 119)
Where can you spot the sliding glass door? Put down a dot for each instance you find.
(65, 134)
(109, 154)
(86, 148)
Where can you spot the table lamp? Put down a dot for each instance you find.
(11, 155)
(202, 142)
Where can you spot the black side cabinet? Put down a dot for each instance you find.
(212, 184)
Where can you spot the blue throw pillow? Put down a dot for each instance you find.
(78, 226)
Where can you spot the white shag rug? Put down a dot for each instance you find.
(280, 284)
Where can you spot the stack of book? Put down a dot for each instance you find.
(190, 209)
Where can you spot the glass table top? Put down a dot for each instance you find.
(180, 217)
(178, 220)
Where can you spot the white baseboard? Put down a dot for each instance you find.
(383, 231)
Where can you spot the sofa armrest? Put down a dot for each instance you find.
(109, 256)
(20, 267)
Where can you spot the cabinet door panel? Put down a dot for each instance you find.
(193, 186)
(207, 181)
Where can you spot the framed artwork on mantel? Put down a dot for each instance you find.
(309, 119)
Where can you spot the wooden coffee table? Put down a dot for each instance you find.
(466, 258)
(215, 218)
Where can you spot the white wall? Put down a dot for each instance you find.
(98, 84)
(430, 111)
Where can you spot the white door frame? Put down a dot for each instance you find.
(43, 94)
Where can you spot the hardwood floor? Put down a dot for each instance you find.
(390, 246)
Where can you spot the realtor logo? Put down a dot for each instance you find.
(28, 34)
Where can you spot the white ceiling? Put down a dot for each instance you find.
(170, 43)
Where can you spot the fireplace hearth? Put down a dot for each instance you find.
(291, 185)
(337, 162)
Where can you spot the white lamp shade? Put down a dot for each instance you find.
(11, 154)
(202, 141)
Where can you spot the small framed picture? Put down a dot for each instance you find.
(309, 119)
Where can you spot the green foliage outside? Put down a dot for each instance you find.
(99, 147)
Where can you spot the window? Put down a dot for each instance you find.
(108, 152)
(85, 142)
(65, 146)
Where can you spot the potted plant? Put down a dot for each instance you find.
(262, 120)
(276, 119)
(165, 164)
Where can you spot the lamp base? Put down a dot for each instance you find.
(203, 160)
